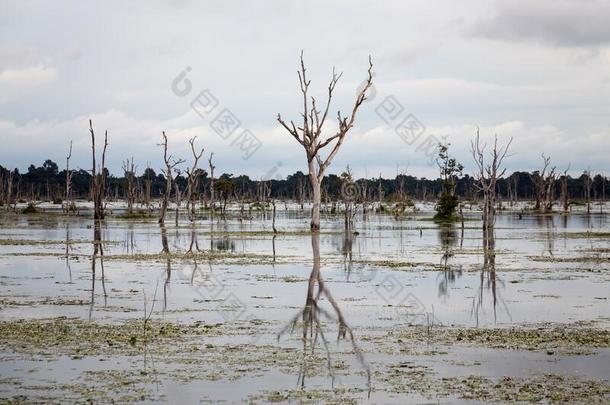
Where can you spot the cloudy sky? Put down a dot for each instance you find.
(538, 72)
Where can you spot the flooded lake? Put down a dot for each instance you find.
(404, 310)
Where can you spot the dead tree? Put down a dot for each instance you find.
(98, 179)
(364, 197)
(68, 180)
(602, 202)
(129, 170)
(544, 182)
(565, 196)
(515, 186)
(177, 194)
(273, 222)
(9, 188)
(309, 135)
(588, 184)
(212, 167)
(380, 191)
(193, 174)
(349, 193)
(170, 165)
(148, 187)
(487, 177)
(300, 191)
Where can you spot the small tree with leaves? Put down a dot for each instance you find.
(450, 169)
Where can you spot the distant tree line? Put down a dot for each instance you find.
(47, 182)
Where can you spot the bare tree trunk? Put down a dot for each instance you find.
(170, 164)
(310, 134)
(487, 178)
(98, 179)
(212, 167)
(316, 202)
(129, 171)
(565, 197)
(178, 196)
(273, 223)
(68, 180)
(588, 184)
(603, 201)
(193, 175)
(148, 189)
(9, 188)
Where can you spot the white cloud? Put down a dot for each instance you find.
(15, 81)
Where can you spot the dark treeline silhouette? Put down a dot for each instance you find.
(48, 182)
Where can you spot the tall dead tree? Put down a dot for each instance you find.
(309, 135)
(98, 177)
(129, 170)
(170, 165)
(487, 177)
(193, 174)
(68, 180)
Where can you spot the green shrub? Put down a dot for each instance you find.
(381, 209)
(446, 205)
(30, 209)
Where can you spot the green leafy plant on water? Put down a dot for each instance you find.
(450, 169)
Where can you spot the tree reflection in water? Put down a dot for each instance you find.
(346, 250)
(98, 249)
(311, 316)
(488, 280)
(68, 247)
(448, 238)
(168, 263)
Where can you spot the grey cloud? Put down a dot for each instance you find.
(570, 23)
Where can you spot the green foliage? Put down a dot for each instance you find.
(224, 187)
(450, 169)
(30, 209)
(382, 209)
(445, 208)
